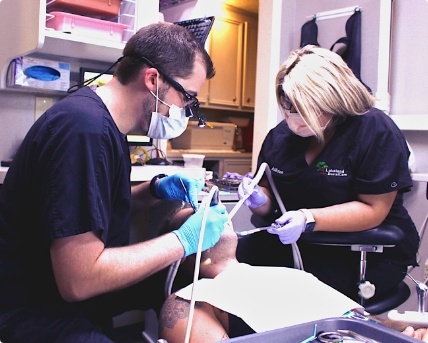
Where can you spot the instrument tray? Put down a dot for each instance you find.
(298, 333)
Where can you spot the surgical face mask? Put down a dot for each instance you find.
(163, 127)
(298, 126)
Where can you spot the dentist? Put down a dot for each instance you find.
(66, 265)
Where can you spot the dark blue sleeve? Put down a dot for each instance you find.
(382, 163)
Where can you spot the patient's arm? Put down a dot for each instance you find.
(209, 323)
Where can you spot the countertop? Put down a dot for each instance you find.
(145, 173)
(177, 153)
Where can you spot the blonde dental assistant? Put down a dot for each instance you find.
(339, 165)
(66, 264)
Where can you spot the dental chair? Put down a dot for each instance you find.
(370, 241)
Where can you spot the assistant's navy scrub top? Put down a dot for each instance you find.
(367, 155)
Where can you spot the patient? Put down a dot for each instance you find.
(212, 324)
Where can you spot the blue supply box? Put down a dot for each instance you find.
(30, 72)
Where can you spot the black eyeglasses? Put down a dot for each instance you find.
(285, 101)
(192, 107)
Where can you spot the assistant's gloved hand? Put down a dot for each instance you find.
(188, 233)
(257, 197)
(294, 223)
(170, 187)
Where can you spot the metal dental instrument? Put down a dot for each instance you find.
(257, 229)
(340, 336)
(187, 194)
(421, 290)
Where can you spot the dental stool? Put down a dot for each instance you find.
(369, 241)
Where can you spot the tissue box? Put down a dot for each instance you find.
(38, 73)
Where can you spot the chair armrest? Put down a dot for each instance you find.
(384, 234)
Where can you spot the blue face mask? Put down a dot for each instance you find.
(163, 127)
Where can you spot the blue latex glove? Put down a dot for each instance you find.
(188, 233)
(219, 208)
(170, 187)
(257, 197)
(293, 223)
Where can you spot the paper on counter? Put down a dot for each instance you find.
(268, 298)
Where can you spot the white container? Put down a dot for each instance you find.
(193, 160)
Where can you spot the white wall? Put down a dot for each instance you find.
(16, 117)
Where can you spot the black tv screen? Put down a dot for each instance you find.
(88, 73)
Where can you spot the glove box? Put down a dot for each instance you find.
(218, 137)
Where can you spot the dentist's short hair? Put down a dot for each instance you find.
(170, 47)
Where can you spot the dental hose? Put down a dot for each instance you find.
(173, 269)
(205, 202)
(298, 263)
(264, 167)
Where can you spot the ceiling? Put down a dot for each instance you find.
(248, 5)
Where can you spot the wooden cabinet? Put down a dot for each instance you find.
(249, 65)
(232, 46)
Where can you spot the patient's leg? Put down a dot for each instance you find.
(209, 323)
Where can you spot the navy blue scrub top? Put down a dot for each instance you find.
(367, 155)
(69, 176)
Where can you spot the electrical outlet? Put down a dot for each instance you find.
(41, 105)
(426, 269)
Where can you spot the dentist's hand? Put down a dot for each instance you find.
(170, 187)
(293, 223)
(257, 198)
(188, 233)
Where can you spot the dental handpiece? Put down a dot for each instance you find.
(188, 195)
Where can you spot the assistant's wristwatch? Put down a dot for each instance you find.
(310, 221)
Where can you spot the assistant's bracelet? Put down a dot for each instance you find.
(152, 187)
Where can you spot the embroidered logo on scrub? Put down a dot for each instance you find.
(276, 170)
(324, 169)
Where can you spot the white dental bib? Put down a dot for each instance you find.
(269, 298)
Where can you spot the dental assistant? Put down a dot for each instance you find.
(339, 164)
(66, 264)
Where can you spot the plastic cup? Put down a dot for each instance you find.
(193, 160)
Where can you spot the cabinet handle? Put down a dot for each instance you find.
(234, 99)
(248, 100)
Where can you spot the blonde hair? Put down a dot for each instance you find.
(318, 82)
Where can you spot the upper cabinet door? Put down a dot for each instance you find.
(249, 65)
(226, 52)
